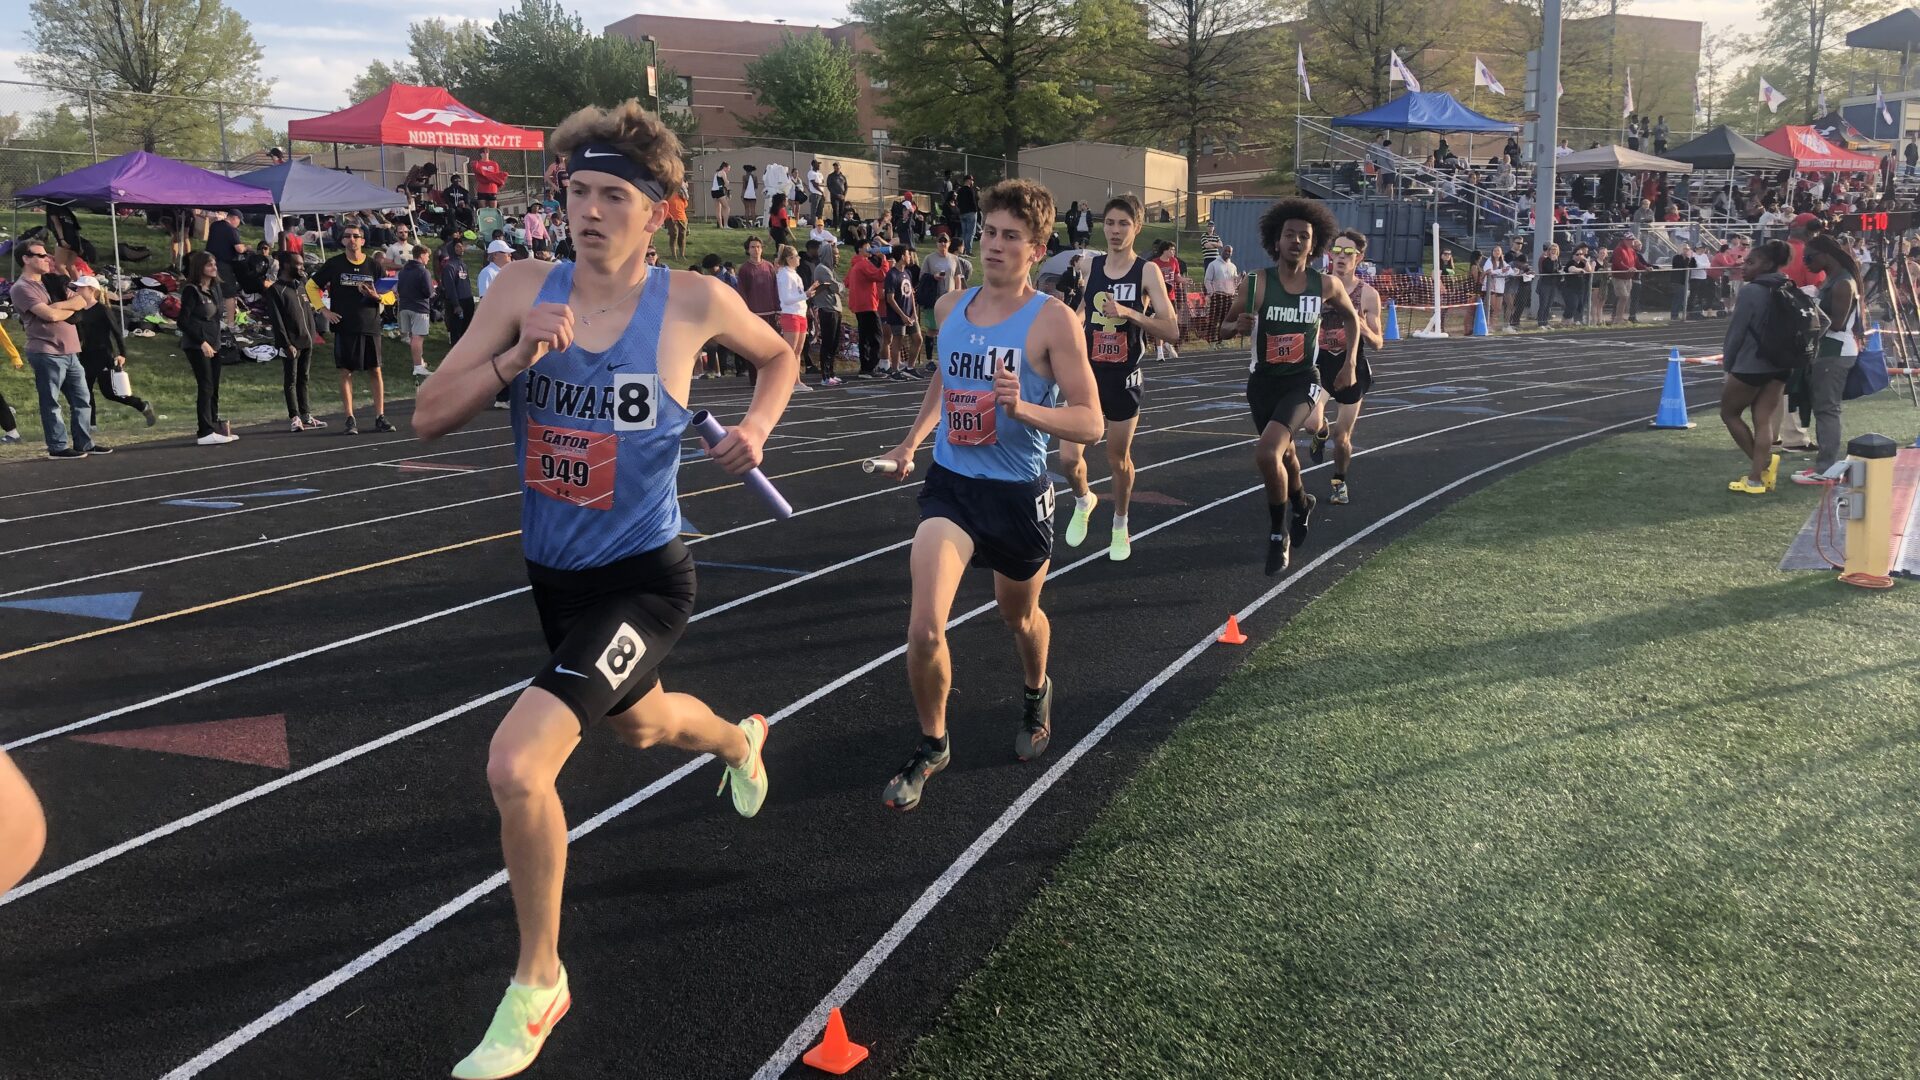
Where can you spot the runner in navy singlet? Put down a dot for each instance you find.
(598, 356)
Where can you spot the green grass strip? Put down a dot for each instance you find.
(1571, 781)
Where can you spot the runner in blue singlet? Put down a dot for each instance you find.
(1008, 354)
(598, 356)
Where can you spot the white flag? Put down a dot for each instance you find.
(1770, 97)
(1397, 70)
(1880, 100)
(1300, 65)
(1483, 77)
(1626, 106)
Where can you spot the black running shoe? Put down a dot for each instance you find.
(1279, 553)
(352, 428)
(903, 791)
(380, 423)
(1317, 450)
(1036, 724)
(1298, 526)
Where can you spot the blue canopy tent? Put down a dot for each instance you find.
(1427, 111)
(298, 188)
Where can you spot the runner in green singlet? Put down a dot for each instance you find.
(1281, 307)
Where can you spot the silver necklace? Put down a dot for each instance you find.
(587, 320)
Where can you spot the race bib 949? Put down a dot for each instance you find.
(575, 467)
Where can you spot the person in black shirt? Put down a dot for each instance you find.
(199, 322)
(456, 290)
(353, 300)
(967, 200)
(223, 242)
(291, 314)
(103, 350)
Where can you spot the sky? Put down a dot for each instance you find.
(313, 51)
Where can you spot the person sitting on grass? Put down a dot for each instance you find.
(1751, 381)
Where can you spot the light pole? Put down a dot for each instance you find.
(653, 70)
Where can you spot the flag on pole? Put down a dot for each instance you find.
(1397, 70)
(1483, 77)
(1770, 97)
(1300, 66)
(1626, 105)
(1880, 102)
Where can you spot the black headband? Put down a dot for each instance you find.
(604, 158)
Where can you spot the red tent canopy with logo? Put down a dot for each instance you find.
(1811, 152)
(403, 115)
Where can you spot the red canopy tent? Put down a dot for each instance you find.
(1811, 152)
(403, 115)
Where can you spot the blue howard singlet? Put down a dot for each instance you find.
(974, 438)
(599, 441)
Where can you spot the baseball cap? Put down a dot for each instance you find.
(1803, 219)
(87, 281)
(499, 247)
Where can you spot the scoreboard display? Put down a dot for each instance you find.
(1896, 221)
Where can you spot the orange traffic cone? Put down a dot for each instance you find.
(1232, 635)
(836, 1053)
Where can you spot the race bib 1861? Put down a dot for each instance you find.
(572, 466)
(970, 417)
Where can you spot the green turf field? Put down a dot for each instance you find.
(1568, 782)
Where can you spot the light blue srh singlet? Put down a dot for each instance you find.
(599, 441)
(973, 437)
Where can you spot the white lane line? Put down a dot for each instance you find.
(797, 1041)
(292, 1006)
(234, 464)
(279, 505)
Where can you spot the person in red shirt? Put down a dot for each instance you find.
(1798, 231)
(488, 175)
(1626, 265)
(864, 278)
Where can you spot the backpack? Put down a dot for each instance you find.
(927, 290)
(1789, 328)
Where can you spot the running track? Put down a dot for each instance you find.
(346, 916)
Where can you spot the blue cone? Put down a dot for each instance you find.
(1479, 318)
(1392, 331)
(1673, 399)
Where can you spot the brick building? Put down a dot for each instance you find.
(711, 55)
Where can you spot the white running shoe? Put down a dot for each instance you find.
(214, 438)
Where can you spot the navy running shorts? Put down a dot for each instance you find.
(1119, 386)
(1010, 522)
(610, 627)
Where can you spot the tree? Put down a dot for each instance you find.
(439, 53)
(1203, 71)
(157, 52)
(1717, 49)
(1798, 48)
(990, 73)
(575, 68)
(806, 85)
(9, 127)
(1357, 38)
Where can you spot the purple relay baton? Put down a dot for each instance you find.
(711, 431)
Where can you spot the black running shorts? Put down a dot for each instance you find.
(1279, 400)
(611, 626)
(1119, 386)
(1362, 378)
(1010, 522)
(356, 352)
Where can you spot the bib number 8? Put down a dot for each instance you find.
(617, 661)
(634, 399)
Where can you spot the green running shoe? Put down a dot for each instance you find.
(1077, 524)
(749, 781)
(520, 1028)
(903, 791)
(1121, 547)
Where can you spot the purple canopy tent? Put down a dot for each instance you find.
(142, 181)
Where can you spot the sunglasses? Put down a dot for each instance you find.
(1344, 250)
(37, 255)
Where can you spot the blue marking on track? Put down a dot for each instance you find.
(1217, 406)
(204, 504)
(1431, 390)
(113, 607)
(703, 564)
(231, 503)
(1371, 400)
(1470, 410)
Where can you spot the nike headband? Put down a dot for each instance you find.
(604, 158)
